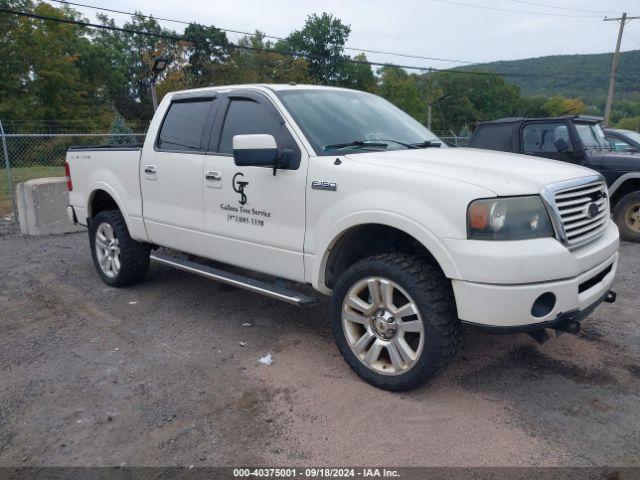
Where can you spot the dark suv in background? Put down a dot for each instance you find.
(576, 139)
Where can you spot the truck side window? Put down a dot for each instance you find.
(540, 137)
(183, 125)
(245, 117)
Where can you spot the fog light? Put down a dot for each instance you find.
(543, 305)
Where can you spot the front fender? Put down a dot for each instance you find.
(387, 218)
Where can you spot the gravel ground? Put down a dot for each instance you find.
(156, 375)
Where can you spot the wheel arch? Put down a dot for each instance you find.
(99, 201)
(367, 234)
(623, 186)
(103, 198)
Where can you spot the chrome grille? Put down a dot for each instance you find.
(583, 209)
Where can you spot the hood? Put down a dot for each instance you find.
(502, 173)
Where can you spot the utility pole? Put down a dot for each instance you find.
(614, 67)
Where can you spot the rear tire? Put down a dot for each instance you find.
(400, 342)
(120, 260)
(627, 217)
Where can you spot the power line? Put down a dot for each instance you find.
(633, 38)
(274, 37)
(266, 50)
(567, 9)
(495, 9)
(242, 47)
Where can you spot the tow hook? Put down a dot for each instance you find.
(611, 296)
(570, 326)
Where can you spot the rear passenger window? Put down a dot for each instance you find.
(183, 125)
(246, 117)
(541, 137)
(496, 136)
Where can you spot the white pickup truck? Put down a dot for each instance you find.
(343, 191)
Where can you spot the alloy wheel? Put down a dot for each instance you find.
(632, 217)
(383, 326)
(107, 250)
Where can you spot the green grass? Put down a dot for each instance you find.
(23, 174)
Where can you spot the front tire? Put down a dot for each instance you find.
(120, 260)
(627, 217)
(394, 320)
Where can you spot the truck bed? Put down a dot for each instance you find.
(113, 169)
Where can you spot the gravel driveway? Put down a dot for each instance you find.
(156, 374)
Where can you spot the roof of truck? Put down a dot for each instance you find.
(270, 86)
(581, 118)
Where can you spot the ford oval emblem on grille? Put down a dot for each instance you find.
(592, 210)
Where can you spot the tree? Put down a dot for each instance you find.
(256, 61)
(41, 71)
(121, 131)
(474, 98)
(357, 74)
(129, 57)
(629, 123)
(560, 105)
(533, 107)
(321, 42)
(402, 89)
(206, 47)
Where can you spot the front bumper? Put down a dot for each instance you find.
(510, 307)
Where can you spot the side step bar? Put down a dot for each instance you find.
(239, 281)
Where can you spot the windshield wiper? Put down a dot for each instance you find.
(356, 143)
(427, 144)
(380, 143)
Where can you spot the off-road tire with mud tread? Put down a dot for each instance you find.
(433, 294)
(134, 256)
(620, 211)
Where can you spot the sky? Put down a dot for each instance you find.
(449, 29)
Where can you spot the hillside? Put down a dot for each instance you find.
(585, 76)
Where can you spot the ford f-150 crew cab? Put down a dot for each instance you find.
(341, 190)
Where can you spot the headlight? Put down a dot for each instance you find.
(509, 218)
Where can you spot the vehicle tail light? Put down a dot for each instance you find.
(67, 172)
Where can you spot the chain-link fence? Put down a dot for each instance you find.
(454, 140)
(25, 156)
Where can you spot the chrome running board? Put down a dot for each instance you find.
(239, 281)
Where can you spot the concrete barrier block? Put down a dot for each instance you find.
(42, 207)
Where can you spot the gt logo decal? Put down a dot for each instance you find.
(239, 186)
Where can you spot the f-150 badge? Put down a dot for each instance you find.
(322, 185)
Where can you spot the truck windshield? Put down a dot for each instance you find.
(354, 121)
(592, 135)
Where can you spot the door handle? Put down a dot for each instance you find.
(211, 175)
(150, 169)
